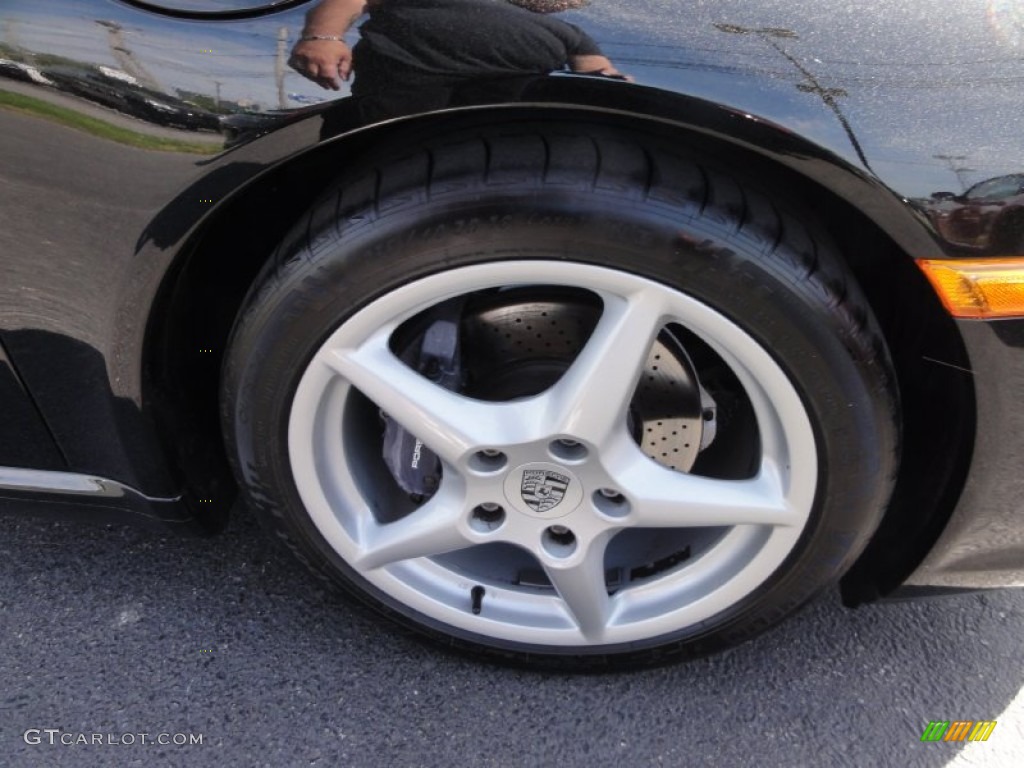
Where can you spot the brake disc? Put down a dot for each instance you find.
(518, 342)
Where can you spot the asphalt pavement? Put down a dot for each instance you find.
(113, 634)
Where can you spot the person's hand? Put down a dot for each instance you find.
(596, 65)
(325, 62)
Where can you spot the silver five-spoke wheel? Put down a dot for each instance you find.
(548, 482)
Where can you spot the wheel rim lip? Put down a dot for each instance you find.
(743, 560)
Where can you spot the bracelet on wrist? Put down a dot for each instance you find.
(335, 38)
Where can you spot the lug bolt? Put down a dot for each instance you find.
(568, 450)
(487, 517)
(610, 502)
(488, 460)
(559, 541)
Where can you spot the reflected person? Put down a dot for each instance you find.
(411, 44)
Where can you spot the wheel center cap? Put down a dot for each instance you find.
(543, 490)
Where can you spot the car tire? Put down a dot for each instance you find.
(671, 420)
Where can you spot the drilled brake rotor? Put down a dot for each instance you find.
(517, 343)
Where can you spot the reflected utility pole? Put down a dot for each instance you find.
(961, 171)
(279, 67)
(811, 84)
(11, 34)
(125, 57)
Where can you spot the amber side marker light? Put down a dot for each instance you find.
(978, 288)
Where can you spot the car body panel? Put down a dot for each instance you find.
(112, 172)
(983, 542)
(24, 437)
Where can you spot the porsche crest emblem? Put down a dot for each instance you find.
(543, 490)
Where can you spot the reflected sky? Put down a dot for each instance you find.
(937, 92)
(236, 57)
(912, 80)
(1007, 20)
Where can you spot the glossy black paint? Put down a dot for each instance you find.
(24, 439)
(151, 160)
(983, 543)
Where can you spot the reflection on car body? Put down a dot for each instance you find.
(988, 218)
(120, 91)
(574, 333)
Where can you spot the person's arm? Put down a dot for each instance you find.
(586, 57)
(321, 54)
(595, 64)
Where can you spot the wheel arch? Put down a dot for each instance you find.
(877, 233)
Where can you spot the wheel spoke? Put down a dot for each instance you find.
(582, 588)
(433, 529)
(450, 424)
(591, 399)
(663, 498)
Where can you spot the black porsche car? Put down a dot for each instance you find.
(578, 334)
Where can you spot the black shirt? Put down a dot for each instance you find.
(450, 39)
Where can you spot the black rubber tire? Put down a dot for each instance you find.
(599, 196)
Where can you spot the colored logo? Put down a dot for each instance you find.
(958, 730)
(542, 489)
